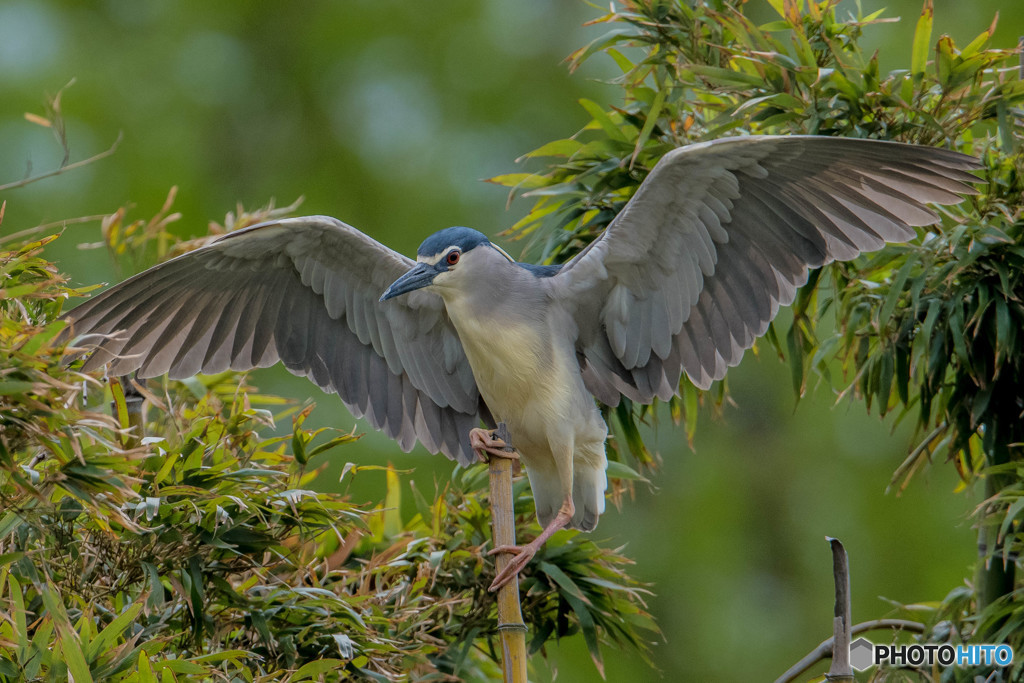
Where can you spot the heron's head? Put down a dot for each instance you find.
(446, 259)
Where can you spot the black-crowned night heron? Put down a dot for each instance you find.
(684, 279)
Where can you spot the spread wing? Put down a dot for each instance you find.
(303, 291)
(721, 234)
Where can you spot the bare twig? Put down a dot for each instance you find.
(824, 649)
(510, 617)
(43, 227)
(64, 168)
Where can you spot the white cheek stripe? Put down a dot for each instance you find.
(432, 260)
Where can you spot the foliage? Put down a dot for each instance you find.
(204, 551)
(928, 329)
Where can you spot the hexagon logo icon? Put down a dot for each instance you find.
(862, 654)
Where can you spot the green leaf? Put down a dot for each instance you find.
(8, 523)
(556, 148)
(620, 470)
(628, 430)
(610, 128)
(14, 387)
(120, 406)
(976, 45)
(314, 669)
(563, 581)
(522, 181)
(652, 119)
(691, 397)
(146, 674)
(885, 375)
(75, 659)
(1005, 331)
(600, 43)
(1012, 512)
(393, 504)
(113, 631)
(333, 443)
(589, 629)
(794, 343)
(69, 644)
(922, 41)
(20, 622)
(896, 291)
(720, 76)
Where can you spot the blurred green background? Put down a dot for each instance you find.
(387, 115)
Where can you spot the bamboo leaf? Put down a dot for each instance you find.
(922, 41)
(333, 443)
(522, 181)
(896, 291)
(620, 470)
(794, 344)
(393, 504)
(719, 76)
(75, 659)
(1012, 512)
(317, 668)
(976, 45)
(563, 581)
(652, 120)
(20, 622)
(610, 128)
(145, 668)
(556, 148)
(600, 43)
(112, 631)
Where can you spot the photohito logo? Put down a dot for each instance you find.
(865, 654)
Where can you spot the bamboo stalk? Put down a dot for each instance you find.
(995, 577)
(510, 617)
(841, 670)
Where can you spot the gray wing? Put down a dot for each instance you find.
(303, 291)
(720, 234)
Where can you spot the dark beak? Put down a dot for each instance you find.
(420, 276)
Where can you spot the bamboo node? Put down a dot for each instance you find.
(512, 626)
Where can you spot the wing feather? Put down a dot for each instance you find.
(303, 291)
(721, 234)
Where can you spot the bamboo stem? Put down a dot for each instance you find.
(841, 670)
(510, 617)
(995, 576)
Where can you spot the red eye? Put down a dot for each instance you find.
(453, 257)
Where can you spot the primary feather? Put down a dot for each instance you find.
(721, 234)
